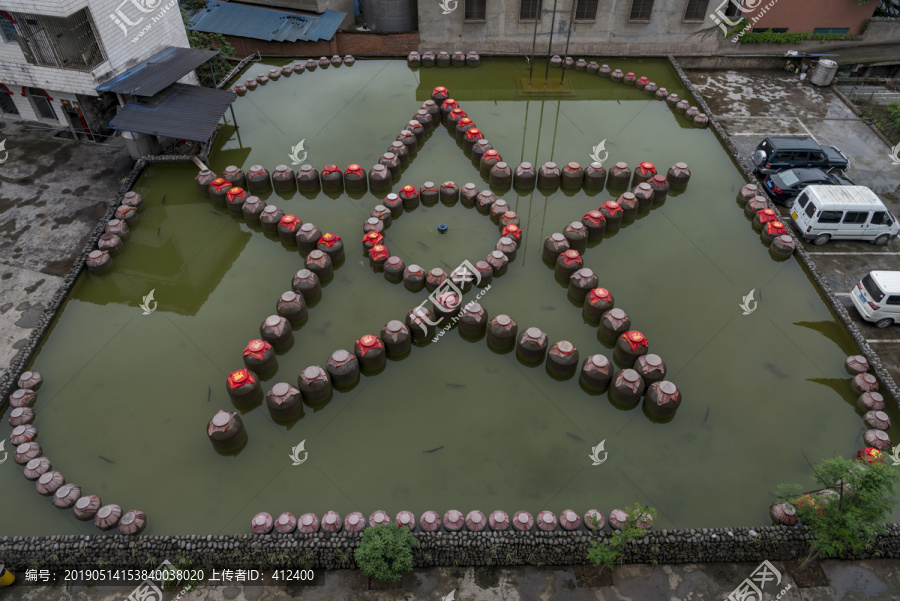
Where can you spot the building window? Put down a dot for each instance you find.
(475, 10)
(641, 9)
(7, 27)
(831, 30)
(42, 105)
(62, 42)
(696, 10)
(7, 106)
(530, 10)
(586, 10)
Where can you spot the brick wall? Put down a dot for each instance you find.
(357, 44)
(807, 15)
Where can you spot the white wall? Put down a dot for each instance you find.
(26, 108)
(123, 50)
(151, 33)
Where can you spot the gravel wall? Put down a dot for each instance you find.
(329, 551)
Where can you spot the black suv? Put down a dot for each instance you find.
(777, 153)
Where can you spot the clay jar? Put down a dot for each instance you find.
(314, 384)
(502, 332)
(532, 345)
(596, 373)
(343, 367)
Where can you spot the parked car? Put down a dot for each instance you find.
(785, 185)
(821, 213)
(777, 153)
(877, 297)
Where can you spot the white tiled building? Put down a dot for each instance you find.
(53, 53)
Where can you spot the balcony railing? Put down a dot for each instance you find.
(62, 42)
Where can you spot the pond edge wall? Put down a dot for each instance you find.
(335, 551)
(803, 256)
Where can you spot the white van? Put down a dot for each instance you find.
(823, 213)
(877, 297)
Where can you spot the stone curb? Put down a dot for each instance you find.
(328, 551)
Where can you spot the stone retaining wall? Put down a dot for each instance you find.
(330, 551)
(888, 385)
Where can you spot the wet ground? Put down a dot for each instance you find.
(52, 193)
(751, 105)
(847, 581)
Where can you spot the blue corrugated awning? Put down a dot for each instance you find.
(180, 111)
(267, 24)
(158, 72)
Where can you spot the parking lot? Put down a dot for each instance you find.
(753, 104)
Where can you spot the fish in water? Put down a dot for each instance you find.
(775, 370)
(858, 435)
(422, 244)
(158, 230)
(454, 385)
(434, 450)
(548, 307)
(574, 437)
(164, 198)
(707, 414)
(216, 214)
(445, 264)
(105, 459)
(209, 393)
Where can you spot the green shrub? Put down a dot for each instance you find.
(741, 24)
(848, 512)
(894, 111)
(610, 553)
(209, 41)
(385, 552)
(771, 37)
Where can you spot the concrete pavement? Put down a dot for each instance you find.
(53, 191)
(752, 104)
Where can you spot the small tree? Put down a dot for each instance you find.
(849, 510)
(208, 41)
(385, 552)
(609, 553)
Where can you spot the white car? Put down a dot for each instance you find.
(877, 297)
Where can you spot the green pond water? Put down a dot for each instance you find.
(127, 396)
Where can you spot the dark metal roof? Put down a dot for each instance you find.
(158, 72)
(181, 111)
(261, 23)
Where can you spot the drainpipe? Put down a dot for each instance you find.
(533, 46)
(568, 37)
(550, 47)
